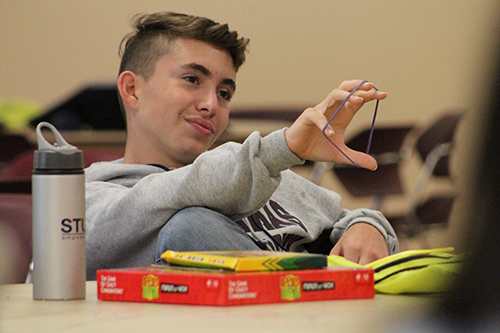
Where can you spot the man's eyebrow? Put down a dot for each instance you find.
(230, 83)
(200, 68)
(206, 72)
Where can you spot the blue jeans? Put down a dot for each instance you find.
(202, 229)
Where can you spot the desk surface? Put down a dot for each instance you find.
(20, 313)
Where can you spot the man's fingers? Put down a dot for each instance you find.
(370, 95)
(350, 85)
(336, 251)
(364, 94)
(317, 117)
(363, 160)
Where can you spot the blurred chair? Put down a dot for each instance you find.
(281, 114)
(389, 149)
(432, 212)
(19, 167)
(15, 185)
(244, 121)
(434, 145)
(11, 145)
(15, 177)
(15, 237)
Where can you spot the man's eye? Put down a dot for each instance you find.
(225, 95)
(191, 78)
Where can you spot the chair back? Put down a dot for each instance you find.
(12, 145)
(387, 148)
(16, 237)
(434, 145)
(15, 177)
(439, 135)
(22, 165)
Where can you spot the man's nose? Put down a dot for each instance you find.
(209, 102)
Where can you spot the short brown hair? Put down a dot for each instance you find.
(141, 49)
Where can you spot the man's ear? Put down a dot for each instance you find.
(127, 85)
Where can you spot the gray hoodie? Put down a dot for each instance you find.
(128, 204)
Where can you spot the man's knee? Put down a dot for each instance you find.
(195, 227)
(193, 220)
(202, 229)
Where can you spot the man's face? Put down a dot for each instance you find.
(183, 107)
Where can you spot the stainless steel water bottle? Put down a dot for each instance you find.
(58, 186)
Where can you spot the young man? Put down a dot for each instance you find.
(176, 79)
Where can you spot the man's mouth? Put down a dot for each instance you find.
(201, 125)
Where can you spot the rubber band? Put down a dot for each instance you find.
(372, 126)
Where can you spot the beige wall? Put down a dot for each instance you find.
(423, 52)
(430, 55)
